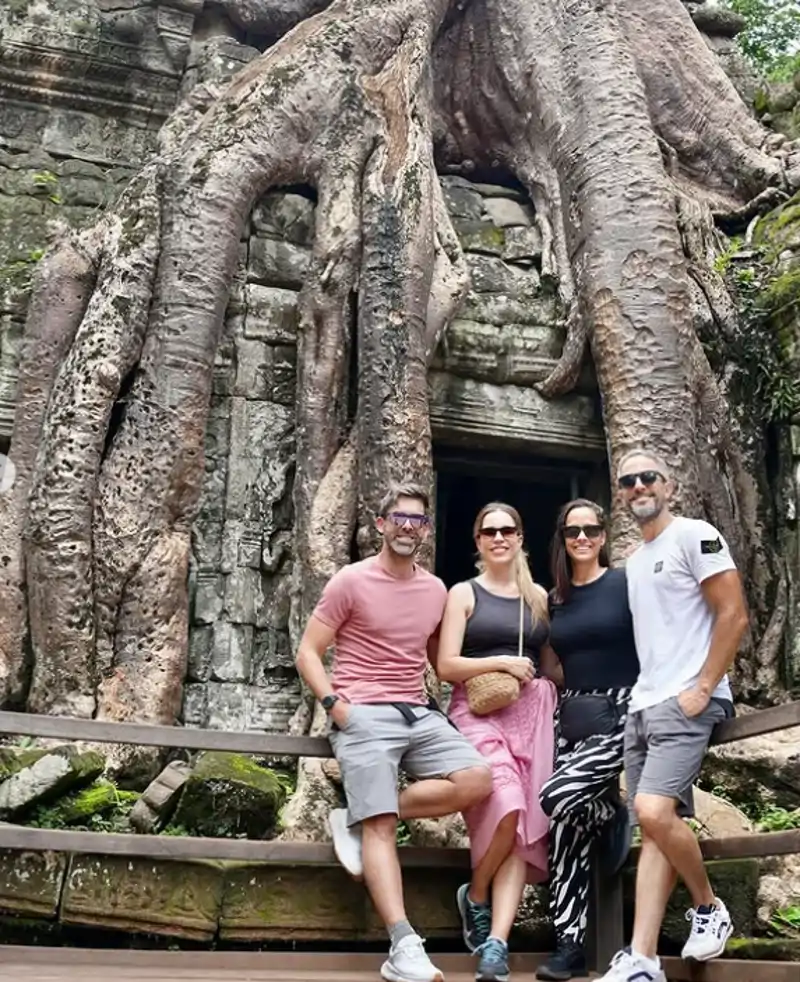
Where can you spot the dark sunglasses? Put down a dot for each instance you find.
(489, 532)
(590, 531)
(648, 478)
(400, 518)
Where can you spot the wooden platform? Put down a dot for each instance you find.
(38, 964)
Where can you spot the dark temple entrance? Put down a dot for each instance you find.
(537, 487)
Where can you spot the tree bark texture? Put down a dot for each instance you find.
(610, 112)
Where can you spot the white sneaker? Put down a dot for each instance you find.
(409, 962)
(711, 928)
(346, 842)
(628, 967)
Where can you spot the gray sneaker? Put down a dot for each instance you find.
(476, 919)
(493, 964)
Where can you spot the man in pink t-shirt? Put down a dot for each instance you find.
(382, 615)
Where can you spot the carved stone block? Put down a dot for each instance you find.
(271, 314)
(30, 882)
(231, 652)
(482, 414)
(287, 216)
(277, 263)
(181, 899)
(265, 902)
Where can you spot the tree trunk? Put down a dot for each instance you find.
(607, 110)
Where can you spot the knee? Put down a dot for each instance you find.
(655, 813)
(548, 799)
(472, 786)
(383, 827)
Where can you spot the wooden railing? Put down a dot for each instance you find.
(607, 924)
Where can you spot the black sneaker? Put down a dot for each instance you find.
(568, 960)
(615, 841)
(476, 919)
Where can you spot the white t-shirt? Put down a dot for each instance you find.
(672, 623)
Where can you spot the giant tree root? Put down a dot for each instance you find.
(582, 99)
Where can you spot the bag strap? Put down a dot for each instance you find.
(521, 624)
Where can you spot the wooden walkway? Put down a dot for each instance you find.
(35, 964)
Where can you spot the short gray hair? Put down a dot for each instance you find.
(656, 458)
(404, 490)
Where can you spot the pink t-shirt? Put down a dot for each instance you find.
(382, 625)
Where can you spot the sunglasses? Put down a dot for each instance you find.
(590, 531)
(648, 478)
(400, 518)
(489, 532)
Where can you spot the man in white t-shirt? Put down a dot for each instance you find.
(689, 616)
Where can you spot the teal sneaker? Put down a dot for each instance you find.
(493, 964)
(476, 919)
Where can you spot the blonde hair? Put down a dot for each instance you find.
(535, 599)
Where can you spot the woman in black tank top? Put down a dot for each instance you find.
(591, 632)
(481, 634)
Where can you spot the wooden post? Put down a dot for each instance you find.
(605, 935)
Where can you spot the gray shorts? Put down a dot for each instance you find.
(377, 741)
(664, 750)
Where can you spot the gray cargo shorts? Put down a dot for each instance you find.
(664, 751)
(377, 741)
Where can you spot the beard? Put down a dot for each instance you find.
(646, 511)
(401, 548)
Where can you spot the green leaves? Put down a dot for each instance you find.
(771, 39)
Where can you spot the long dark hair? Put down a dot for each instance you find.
(560, 563)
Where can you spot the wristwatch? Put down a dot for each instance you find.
(328, 702)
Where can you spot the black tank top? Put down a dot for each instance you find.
(493, 628)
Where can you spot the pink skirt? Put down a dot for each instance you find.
(518, 743)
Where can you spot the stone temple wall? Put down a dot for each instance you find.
(84, 89)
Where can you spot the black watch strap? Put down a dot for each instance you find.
(328, 702)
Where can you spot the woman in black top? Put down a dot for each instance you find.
(591, 632)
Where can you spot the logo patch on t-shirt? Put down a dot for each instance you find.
(658, 566)
(710, 546)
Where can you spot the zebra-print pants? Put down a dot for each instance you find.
(579, 798)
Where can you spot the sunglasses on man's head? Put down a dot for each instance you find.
(647, 478)
(489, 531)
(590, 531)
(400, 518)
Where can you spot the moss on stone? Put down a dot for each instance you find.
(766, 949)
(230, 795)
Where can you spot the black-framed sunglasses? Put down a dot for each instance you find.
(648, 479)
(489, 531)
(590, 531)
(400, 518)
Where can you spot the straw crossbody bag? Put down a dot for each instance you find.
(492, 691)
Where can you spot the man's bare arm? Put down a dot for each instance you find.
(316, 640)
(724, 595)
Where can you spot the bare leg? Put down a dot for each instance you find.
(499, 850)
(382, 867)
(655, 880)
(434, 798)
(677, 842)
(507, 888)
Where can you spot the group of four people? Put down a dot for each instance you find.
(616, 668)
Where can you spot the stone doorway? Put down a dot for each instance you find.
(536, 486)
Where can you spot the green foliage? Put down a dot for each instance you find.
(102, 807)
(775, 819)
(762, 374)
(770, 39)
(403, 834)
(46, 182)
(786, 921)
(18, 275)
